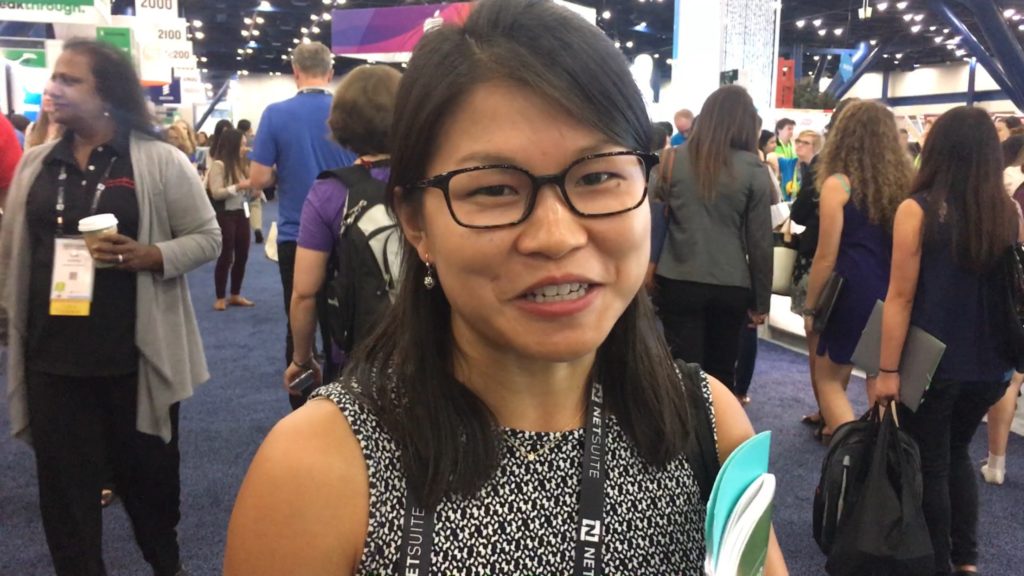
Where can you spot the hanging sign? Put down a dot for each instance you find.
(26, 58)
(156, 10)
(56, 11)
(117, 37)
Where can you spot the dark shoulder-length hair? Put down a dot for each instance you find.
(117, 85)
(219, 129)
(961, 176)
(229, 151)
(448, 437)
(728, 121)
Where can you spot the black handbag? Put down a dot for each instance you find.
(885, 533)
(827, 301)
(1012, 299)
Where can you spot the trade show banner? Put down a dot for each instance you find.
(56, 11)
(390, 34)
(166, 94)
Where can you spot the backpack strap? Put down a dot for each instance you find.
(702, 447)
(362, 186)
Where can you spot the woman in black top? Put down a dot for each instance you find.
(949, 239)
(97, 377)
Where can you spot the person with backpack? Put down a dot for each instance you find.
(360, 120)
(518, 412)
(949, 239)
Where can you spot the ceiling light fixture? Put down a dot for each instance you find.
(629, 44)
(918, 17)
(607, 14)
(247, 21)
(197, 23)
(822, 32)
(882, 6)
(200, 35)
(902, 5)
(260, 20)
(264, 5)
(801, 23)
(327, 16)
(915, 28)
(816, 22)
(1009, 12)
(838, 31)
(315, 29)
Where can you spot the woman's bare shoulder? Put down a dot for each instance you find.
(303, 507)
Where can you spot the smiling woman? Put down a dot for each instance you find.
(518, 411)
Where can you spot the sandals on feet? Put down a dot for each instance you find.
(813, 419)
(241, 301)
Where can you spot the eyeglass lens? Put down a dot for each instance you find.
(501, 196)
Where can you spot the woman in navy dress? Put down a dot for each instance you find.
(863, 176)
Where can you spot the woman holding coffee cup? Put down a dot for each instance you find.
(103, 342)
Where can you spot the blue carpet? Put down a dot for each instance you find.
(222, 426)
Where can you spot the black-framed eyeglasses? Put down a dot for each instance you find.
(501, 195)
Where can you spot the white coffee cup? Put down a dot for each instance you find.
(95, 227)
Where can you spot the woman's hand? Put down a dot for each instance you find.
(292, 373)
(883, 389)
(127, 254)
(808, 324)
(756, 318)
(244, 184)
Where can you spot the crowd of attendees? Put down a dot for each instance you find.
(534, 300)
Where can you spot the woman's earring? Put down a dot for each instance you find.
(428, 280)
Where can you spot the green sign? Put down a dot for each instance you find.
(117, 37)
(27, 58)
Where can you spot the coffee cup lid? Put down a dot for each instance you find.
(97, 223)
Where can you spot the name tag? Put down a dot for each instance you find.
(73, 278)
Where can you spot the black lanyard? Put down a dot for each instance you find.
(418, 526)
(62, 180)
(323, 91)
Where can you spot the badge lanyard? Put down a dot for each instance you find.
(418, 525)
(323, 91)
(62, 179)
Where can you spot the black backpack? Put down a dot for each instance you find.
(363, 271)
(842, 475)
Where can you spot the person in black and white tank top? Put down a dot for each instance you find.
(517, 412)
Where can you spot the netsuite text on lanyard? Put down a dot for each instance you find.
(418, 526)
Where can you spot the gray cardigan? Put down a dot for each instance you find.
(175, 216)
(726, 242)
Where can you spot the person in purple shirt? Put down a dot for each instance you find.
(293, 138)
(360, 121)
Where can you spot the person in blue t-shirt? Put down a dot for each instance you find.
(293, 137)
(684, 122)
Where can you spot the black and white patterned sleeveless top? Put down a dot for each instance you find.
(523, 519)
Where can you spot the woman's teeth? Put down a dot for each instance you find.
(558, 293)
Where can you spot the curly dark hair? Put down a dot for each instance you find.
(864, 145)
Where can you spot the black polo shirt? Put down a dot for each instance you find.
(103, 343)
